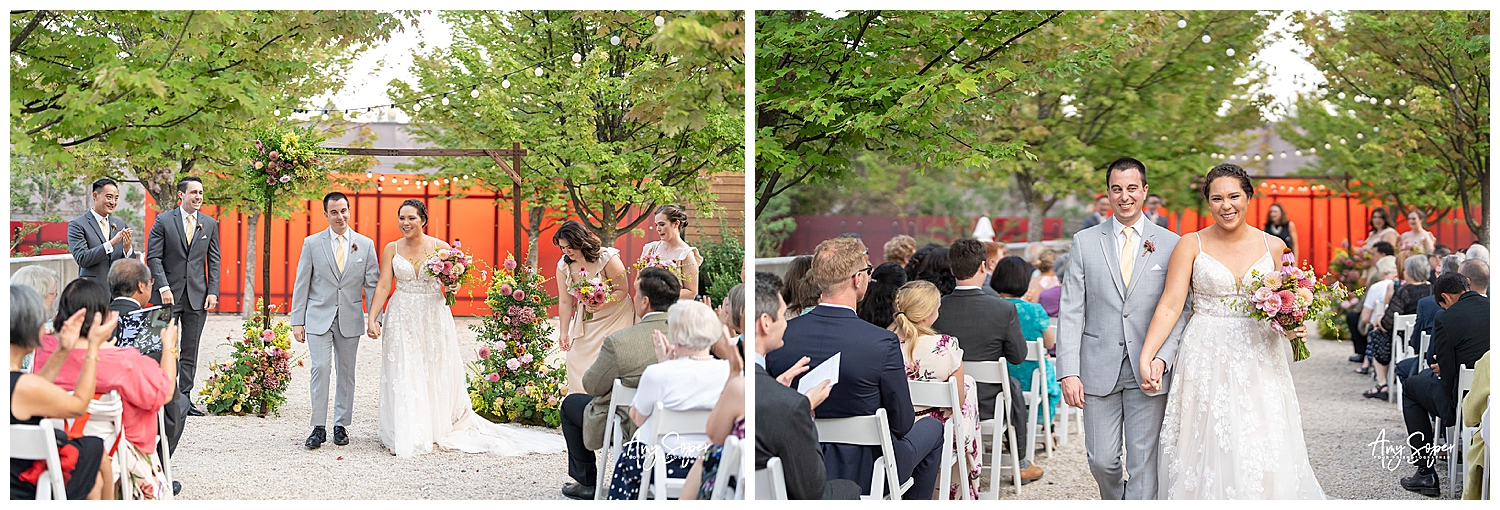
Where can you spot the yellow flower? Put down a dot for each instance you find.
(236, 408)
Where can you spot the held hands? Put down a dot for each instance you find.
(664, 350)
(372, 330)
(300, 333)
(1299, 332)
(1151, 372)
(791, 373)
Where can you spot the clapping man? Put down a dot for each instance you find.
(183, 253)
(97, 238)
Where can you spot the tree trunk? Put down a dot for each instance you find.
(1036, 214)
(159, 184)
(607, 231)
(247, 305)
(534, 233)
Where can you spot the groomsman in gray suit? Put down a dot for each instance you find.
(97, 239)
(337, 270)
(183, 254)
(1115, 276)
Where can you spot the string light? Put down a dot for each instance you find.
(1230, 51)
(660, 21)
(1181, 22)
(505, 84)
(1206, 38)
(577, 58)
(614, 40)
(474, 93)
(538, 71)
(445, 99)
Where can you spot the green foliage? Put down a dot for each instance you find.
(723, 262)
(634, 124)
(511, 382)
(774, 226)
(162, 92)
(29, 228)
(1406, 109)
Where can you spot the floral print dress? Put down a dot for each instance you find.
(934, 358)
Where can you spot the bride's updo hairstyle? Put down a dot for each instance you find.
(579, 238)
(415, 204)
(915, 303)
(675, 215)
(1228, 170)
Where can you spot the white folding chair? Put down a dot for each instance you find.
(164, 449)
(1401, 329)
(1037, 400)
(614, 440)
(668, 423)
(770, 482)
(729, 467)
(871, 430)
(1456, 440)
(997, 372)
(945, 395)
(39, 442)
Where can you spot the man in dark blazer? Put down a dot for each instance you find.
(97, 238)
(988, 329)
(1460, 337)
(130, 286)
(624, 355)
(872, 373)
(783, 417)
(183, 253)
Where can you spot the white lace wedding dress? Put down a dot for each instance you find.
(1232, 429)
(423, 396)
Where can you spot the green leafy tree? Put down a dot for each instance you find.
(1405, 113)
(637, 123)
(163, 92)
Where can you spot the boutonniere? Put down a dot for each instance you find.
(200, 227)
(354, 247)
(1150, 247)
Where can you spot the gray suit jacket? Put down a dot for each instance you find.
(624, 355)
(322, 294)
(87, 244)
(1099, 322)
(191, 272)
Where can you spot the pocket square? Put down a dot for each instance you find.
(1156, 267)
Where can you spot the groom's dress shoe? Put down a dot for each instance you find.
(1423, 482)
(578, 491)
(316, 439)
(176, 487)
(340, 437)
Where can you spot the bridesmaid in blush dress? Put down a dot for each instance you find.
(582, 328)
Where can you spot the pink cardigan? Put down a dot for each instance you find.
(139, 379)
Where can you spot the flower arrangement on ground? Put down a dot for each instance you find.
(1289, 296)
(598, 291)
(255, 378)
(450, 266)
(511, 381)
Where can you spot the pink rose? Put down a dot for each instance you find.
(518, 295)
(493, 377)
(599, 296)
(1262, 294)
(526, 358)
(510, 263)
(1270, 304)
(513, 363)
(267, 335)
(505, 288)
(484, 353)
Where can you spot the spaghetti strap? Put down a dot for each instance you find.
(1265, 241)
(1199, 237)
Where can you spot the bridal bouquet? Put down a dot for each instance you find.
(1289, 296)
(597, 291)
(450, 266)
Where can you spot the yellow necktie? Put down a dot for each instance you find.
(338, 254)
(104, 227)
(1127, 255)
(190, 225)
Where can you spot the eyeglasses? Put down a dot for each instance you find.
(868, 270)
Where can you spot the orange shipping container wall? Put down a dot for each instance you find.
(481, 221)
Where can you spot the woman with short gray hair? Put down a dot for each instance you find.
(41, 279)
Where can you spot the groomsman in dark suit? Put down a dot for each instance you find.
(183, 253)
(97, 238)
(872, 373)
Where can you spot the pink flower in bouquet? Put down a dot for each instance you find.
(506, 320)
(1288, 303)
(484, 353)
(518, 295)
(505, 288)
(447, 267)
(526, 358)
(1273, 280)
(1291, 272)
(513, 363)
(1304, 295)
(510, 264)
(1305, 282)
(1267, 300)
(458, 268)
(599, 296)
(267, 335)
(458, 244)
(493, 377)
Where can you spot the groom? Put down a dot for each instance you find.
(1114, 279)
(335, 266)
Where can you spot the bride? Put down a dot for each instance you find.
(423, 396)
(1233, 429)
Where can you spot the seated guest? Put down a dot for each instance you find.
(933, 357)
(1045, 277)
(783, 417)
(44, 281)
(993, 252)
(684, 378)
(623, 355)
(871, 373)
(1051, 299)
(1461, 337)
(1478, 273)
(879, 304)
(1035, 325)
(33, 397)
(1427, 308)
(727, 418)
(899, 249)
(1476, 405)
(1435, 260)
(1404, 302)
(937, 268)
(1478, 251)
(917, 259)
(988, 328)
(800, 295)
(1378, 345)
(145, 385)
